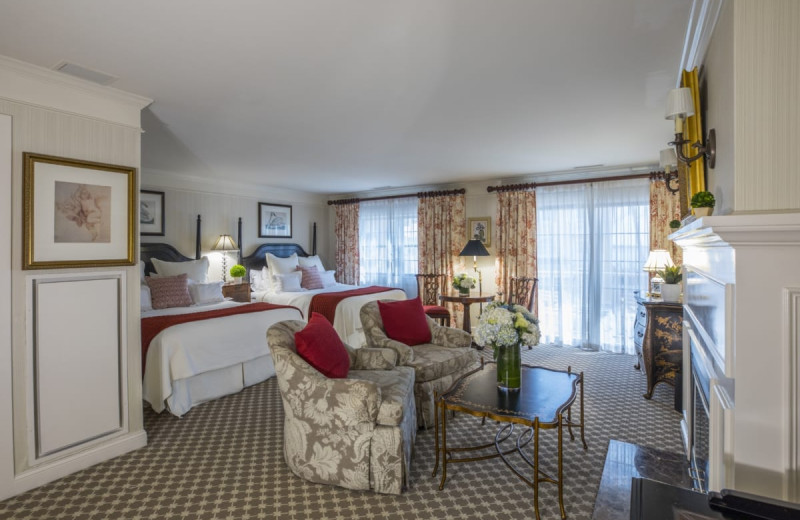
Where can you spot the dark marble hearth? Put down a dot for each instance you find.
(625, 461)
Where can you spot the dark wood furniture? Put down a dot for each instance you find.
(521, 291)
(429, 287)
(540, 403)
(466, 300)
(161, 251)
(258, 258)
(658, 337)
(240, 292)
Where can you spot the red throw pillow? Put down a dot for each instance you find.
(319, 345)
(169, 291)
(311, 278)
(405, 321)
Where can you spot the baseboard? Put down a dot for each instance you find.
(40, 476)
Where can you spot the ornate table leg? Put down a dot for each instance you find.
(560, 468)
(444, 445)
(536, 467)
(436, 406)
(583, 439)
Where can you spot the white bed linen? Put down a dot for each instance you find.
(347, 320)
(194, 362)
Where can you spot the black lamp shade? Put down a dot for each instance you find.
(474, 248)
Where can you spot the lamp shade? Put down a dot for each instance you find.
(658, 260)
(225, 243)
(679, 103)
(474, 247)
(667, 159)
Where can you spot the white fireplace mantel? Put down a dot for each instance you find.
(756, 258)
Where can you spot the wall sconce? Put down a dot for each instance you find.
(669, 161)
(680, 106)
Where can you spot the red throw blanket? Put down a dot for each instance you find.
(325, 303)
(155, 324)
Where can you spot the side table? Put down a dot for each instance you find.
(658, 338)
(239, 292)
(466, 300)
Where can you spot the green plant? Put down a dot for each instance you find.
(674, 224)
(671, 274)
(238, 271)
(703, 199)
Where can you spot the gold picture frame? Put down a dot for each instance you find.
(77, 213)
(480, 228)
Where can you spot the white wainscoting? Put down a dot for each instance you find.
(791, 312)
(77, 361)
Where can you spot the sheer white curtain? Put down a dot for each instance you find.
(388, 243)
(593, 240)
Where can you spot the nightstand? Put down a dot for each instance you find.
(240, 292)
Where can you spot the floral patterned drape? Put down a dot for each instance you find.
(441, 235)
(516, 237)
(664, 207)
(347, 259)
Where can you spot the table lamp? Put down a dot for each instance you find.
(224, 244)
(657, 261)
(475, 248)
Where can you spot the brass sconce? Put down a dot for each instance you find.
(669, 161)
(680, 106)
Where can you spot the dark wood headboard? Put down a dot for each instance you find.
(258, 258)
(161, 251)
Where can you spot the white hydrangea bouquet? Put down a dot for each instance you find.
(463, 282)
(504, 325)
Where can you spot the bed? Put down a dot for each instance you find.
(340, 303)
(195, 354)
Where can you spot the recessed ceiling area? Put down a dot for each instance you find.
(349, 95)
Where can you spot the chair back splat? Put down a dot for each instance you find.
(521, 291)
(429, 287)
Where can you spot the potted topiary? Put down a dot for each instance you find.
(674, 224)
(703, 203)
(671, 288)
(237, 272)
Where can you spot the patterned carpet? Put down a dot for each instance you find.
(224, 460)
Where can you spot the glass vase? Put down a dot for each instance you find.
(508, 366)
(463, 291)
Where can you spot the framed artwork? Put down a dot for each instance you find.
(77, 213)
(274, 220)
(151, 213)
(480, 228)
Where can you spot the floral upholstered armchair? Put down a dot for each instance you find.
(356, 432)
(437, 364)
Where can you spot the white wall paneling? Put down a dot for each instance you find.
(791, 306)
(6, 411)
(76, 355)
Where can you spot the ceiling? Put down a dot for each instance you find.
(342, 96)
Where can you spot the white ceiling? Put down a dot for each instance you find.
(340, 96)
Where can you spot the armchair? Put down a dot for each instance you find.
(436, 365)
(356, 432)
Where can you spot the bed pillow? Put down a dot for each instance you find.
(205, 293)
(169, 291)
(146, 302)
(328, 279)
(320, 346)
(278, 265)
(311, 261)
(311, 278)
(196, 270)
(289, 282)
(405, 321)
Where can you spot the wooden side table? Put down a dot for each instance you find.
(466, 300)
(658, 337)
(240, 292)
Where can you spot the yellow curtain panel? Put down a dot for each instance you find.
(693, 131)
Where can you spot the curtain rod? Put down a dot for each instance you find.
(421, 194)
(534, 185)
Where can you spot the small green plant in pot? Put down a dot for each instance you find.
(703, 203)
(671, 289)
(237, 272)
(674, 224)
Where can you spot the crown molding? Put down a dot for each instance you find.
(702, 20)
(34, 85)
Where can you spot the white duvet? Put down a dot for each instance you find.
(347, 320)
(201, 360)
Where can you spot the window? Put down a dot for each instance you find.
(388, 243)
(592, 241)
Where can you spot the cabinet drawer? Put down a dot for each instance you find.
(638, 333)
(641, 316)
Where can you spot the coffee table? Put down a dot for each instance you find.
(539, 404)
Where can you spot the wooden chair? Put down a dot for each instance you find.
(521, 291)
(429, 287)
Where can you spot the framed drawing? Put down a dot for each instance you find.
(151, 213)
(77, 213)
(274, 220)
(480, 228)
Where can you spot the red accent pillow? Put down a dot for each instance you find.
(319, 345)
(169, 291)
(311, 277)
(405, 321)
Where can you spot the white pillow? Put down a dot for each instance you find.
(289, 282)
(278, 265)
(147, 302)
(311, 261)
(141, 272)
(196, 270)
(328, 279)
(205, 293)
